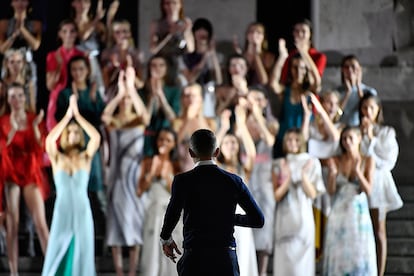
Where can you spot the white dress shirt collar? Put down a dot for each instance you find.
(204, 162)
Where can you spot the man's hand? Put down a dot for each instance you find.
(169, 248)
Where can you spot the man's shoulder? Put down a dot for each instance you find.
(210, 170)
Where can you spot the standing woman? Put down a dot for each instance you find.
(262, 127)
(237, 155)
(190, 119)
(119, 53)
(156, 179)
(15, 70)
(162, 97)
(22, 31)
(71, 250)
(171, 34)
(21, 145)
(350, 244)
(90, 105)
(125, 118)
(259, 59)
(92, 35)
(302, 40)
(303, 78)
(297, 180)
(56, 64)
(352, 89)
(379, 141)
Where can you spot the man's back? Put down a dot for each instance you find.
(209, 196)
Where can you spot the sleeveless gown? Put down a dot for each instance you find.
(71, 246)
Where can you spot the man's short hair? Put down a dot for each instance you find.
(203, 143)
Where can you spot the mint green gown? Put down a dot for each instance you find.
(71, 245)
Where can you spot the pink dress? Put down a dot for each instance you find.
(52, 64)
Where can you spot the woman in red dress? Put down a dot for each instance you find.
(21, 148)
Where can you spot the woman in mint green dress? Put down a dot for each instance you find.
(71, 248)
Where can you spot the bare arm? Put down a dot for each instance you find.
(246, 138)
(34, 39)
(55, 132)
(95, 137)
(274, 80)
(137, 102)
(307, 186)
(366, 177)
(281, 179)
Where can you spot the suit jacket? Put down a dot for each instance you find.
(209, 195)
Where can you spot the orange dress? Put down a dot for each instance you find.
(21, 161)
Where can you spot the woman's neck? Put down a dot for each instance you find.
(18, 113)
(81, 85)
(352, 154)
(21, 15)
(68, 46)
(173, 17)
(82, 17)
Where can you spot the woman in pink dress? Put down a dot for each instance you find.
(56, 66)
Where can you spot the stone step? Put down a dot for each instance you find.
(406, 212)
(406, 192)
(400, 266)
(400, 228)
(400, 247)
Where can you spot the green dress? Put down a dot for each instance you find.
(71, 245)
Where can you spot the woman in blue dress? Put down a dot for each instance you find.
(71, 248)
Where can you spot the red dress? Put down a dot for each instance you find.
(54, 60)
(21, 161)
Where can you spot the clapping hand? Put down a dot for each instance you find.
(73, 105)
(38, 118)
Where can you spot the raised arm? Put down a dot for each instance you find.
(246, 138)
(108, 112)
(275, 76)
(137, 102)
(55, 132)
(94, 135)
(315, 80)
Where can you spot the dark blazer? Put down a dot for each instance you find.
(209, 195)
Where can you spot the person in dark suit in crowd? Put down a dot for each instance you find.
(208, 195)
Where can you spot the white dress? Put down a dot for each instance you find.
(245, 247)
(261, 186)
(349, 247)
(384, 149)
(294, 250)
(322, 148)
(153, 261)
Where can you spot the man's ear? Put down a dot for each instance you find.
(216, 152)
(192, 153)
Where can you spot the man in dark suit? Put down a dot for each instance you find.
(208, 195)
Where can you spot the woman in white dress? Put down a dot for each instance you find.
(156, 179)
(297, 181)
(322, 132)
(125, 118)
(379, 141)
(262, 127)
(349, 247)
(232, 145)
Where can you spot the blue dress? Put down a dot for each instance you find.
(71, 245)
